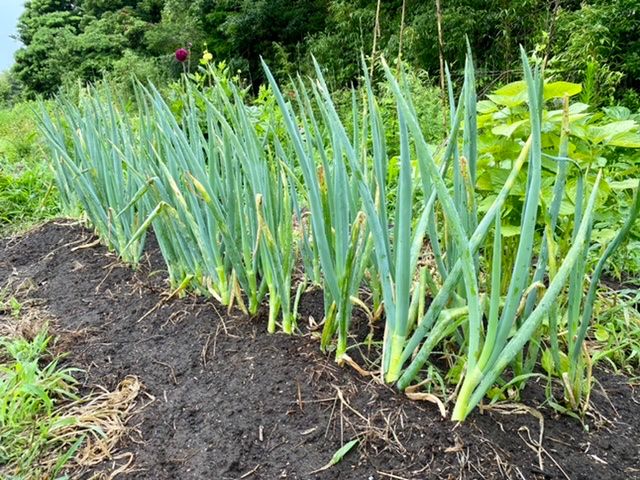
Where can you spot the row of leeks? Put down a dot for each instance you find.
(238, 201)
(221, 210)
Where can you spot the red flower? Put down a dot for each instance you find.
(182, 54)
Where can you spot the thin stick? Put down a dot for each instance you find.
(376, 34)
(552, 32)
(250, 472)
(404, 4)
(441, 56)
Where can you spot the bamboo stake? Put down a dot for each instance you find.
(441, 56)
(404, 4)
(376, 34)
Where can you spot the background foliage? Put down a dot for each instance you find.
(594, 41)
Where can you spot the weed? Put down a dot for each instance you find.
(27, 191)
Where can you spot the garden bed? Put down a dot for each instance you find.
(225, 400)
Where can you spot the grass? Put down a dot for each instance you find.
(32, 387)
(27, 191)
(48, 430)
(616, 333)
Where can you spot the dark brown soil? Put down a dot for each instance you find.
(232, 402)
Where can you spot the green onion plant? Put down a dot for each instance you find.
(96, 162)
(240, 196)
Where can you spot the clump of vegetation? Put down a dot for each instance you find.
(592, 42)
(237, 194)
(47, 428)
(27, 189)
(31, 394)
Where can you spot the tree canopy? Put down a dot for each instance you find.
(590, 41)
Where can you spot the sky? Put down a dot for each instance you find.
(10, 10)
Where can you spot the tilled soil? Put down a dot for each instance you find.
(225, 400)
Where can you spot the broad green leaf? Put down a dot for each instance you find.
(606, 133)
(560, 89)
(510, 230)
(601, 334)
(627, 140)
(504, 114)
(580, 131)
(512, 89)
(578, 107)
(484, 119)
(627, 184)
(486, 106)
(484, 182)
(567, 208)
(486, 203)
(556, 116)
(617, 113)
(604, 236)
(510, 95)
(507, 130)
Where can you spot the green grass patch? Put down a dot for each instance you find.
(32, 388)
(48, 428)
(27, 191)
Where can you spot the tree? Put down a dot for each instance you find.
(46, 29)
(68, 41)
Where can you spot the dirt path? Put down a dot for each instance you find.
(228, 401)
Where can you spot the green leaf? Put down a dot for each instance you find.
(560, 89)
(510, 230)
(617, 113)
(455, 373)
(496, 394)
(486, 106)
(338, 456)
(510, 95)
(627, 184)
(606, 133)
(566, 208)
(547, 361)
(564, 362)
(601, 334)
(486, 203)
(512, 89)
(507, 130)
(604, 236)
(346, 448)
(627, 140)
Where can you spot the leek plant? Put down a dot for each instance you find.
(187, 182)
(237, 199)
(230, 194)
(234, 197)
(266, 171)
(338, 227)
(96, 162)
(489, 350)
(403, 280)
(492, 347)
(575, 371)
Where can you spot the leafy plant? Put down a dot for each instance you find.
(238, 193)
(29, 396)
(27, 189)
(96, 163)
